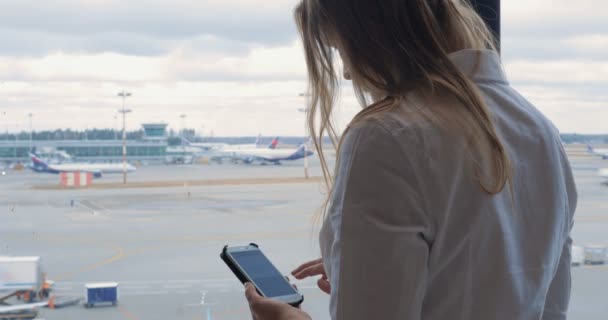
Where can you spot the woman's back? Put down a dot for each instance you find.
(419, 229)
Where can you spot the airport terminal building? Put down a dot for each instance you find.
(152, 148)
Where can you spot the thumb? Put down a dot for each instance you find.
(251, 293)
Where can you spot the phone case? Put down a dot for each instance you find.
(237, 272)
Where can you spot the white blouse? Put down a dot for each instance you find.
(410, 234)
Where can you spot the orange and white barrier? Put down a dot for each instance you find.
(76, 179)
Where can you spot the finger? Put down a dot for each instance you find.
(324, 285)
(306, 265)
(314, 270)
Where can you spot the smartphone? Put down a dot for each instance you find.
(249, 264)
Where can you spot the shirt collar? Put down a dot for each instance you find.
(480, 65)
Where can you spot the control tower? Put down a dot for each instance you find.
(155, 131)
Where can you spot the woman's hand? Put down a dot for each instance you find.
(311, 269)
(267, 309)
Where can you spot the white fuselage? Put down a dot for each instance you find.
(601, 152)
(93, 167)
(270, 154)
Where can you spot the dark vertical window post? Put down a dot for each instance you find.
(489, 10)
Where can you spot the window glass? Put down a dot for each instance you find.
(211, 95)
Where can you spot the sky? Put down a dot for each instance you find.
(236, 67)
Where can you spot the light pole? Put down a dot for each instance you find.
(5, 119)
(115, 127)
(183, 131)
(30, 116)
(16, 139)
(124, 95)
(305, 111)
(124, 144)
(183, 135)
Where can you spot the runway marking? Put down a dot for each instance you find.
(145, 293)
(126, 313)
(215, 285)
(177, 286)
(134, 287)
(120, 254)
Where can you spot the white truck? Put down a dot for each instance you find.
(578, 256)
(595, 254)
(23, 277)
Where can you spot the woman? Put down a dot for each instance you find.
(452, 196)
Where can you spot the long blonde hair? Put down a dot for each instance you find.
(396, 47)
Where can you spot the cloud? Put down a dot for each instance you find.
(262, 64)
(141, 27)
(585, 47)
(27, 44)
(235, 65)
(278, 63)
(570, 110)
(228, 108)
(559, 72)
(554, 18)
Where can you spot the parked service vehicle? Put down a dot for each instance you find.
(24, 277)
(595, 254)
(578, 256)
(100, 293)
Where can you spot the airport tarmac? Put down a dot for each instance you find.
(162, 244)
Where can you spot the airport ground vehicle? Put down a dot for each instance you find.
(24, 278)
(595, 254)
(96, 293)
(578, 256)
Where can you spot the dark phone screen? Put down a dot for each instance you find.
(265, 276)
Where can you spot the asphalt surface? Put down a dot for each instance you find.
(162, 245)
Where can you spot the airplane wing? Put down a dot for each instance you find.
(22, 307)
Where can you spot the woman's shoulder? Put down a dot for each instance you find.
(407, 119)
(389, 132)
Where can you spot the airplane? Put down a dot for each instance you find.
(211, 146)
(98, 169)
(603, 173)
(267, 155)
(600, 152)
(205, 146)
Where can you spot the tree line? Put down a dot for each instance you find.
(68, 134)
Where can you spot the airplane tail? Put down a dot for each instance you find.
(274, 143)
(590, 149)
(301, 152)
(37, 163)
(258, 140)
